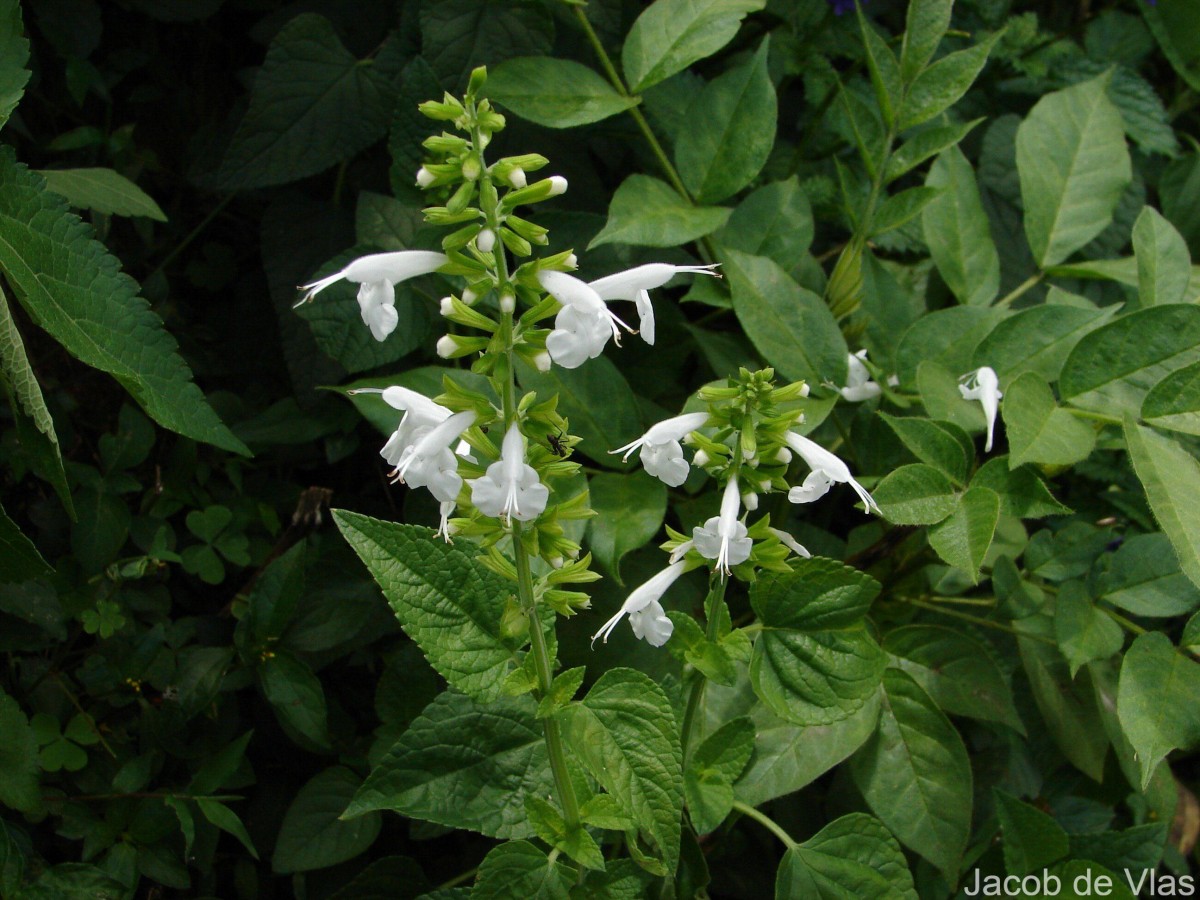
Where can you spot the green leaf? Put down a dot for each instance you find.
(451, 606)
(1174, 402)
(73, 288)
(1178, 33)
(942, 85)
(1038, 431)
(312, 835)
(519, 869)
(297, 697)
(958, 233)
(774, 221)
(557, 93)
(1022, 493)
(915, 775)
(1137, 849)
(74, 881)
(817, 595)
(670, 35)
(1171, 477)
(630, 510)
(312, 105)
(20, 558)
(1156, 701)
(1084, 633)
(738, 110)
(854, 856)
(1038, 339)
(901, 208)
(924, 144)
(458, 35)
(791, 326)
(942, 445)
(14, 56)
(649, 213)
(624, 731)
(955, 670)
(381, 879)
(884, 70)
(1074, 166)
(713, 768)
(1144, 577)
(941, 398)
(1032, 839)
(19, 788)
(465, 765)
(948, 338)
(227, 820)
(103, 191)
(963, 538)
(915, 494)
(924, 27)
(1163, 262)
(551, 827)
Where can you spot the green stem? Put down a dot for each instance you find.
(986, 623)
(192, 235)
(716, 594)
(458, 879)
(1131, 627)
(965, 601)
(765, 821)
(1028, 284)
(1094, 416)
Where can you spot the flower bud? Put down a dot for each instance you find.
(478, 78)
(541, 361)
(469, 296)
(424, 177)
(508, 303)
(701, 459)
(783, 456)
(750, 501)
(572, 261)
(446, 306)
(516, 178)
(558, 185)
(556, 562)
(485, 240)
(471, 168)
(447, 346)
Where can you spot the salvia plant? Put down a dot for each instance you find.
(771, 426)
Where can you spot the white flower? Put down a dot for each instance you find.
(859, 385)
(425, 178)
(723, 538)
(646, 615)
(377, 275)
(510, 489)
(634, 285)
(984, 386)
(827, 470)
(431, 463)
(791, 543)
(445, 529)
(662, 454)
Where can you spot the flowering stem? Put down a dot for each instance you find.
(765, 821)
(716, 596)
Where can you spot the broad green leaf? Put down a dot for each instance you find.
(1174, 26)
(312, 105)
(465, 765)
(1032, 839)
(924, 144)
(624, 731)
(1084, 633)
(963, 539)
(14, 55)
(630, 510)
(670, 35)
(73, 288)
(649, 213)
(1022, 493)
(854, 856)
(227, 820)
(1074, 165)
(597, 401)
(450, 605)
(296, 695)
(915, 775)
(884, 70)
(916, 494)
(958, 232)
(458, 35)
(947, 337)
(1163, 262)
(1038, 339)
(1038, 431)
(20, 558)
(955, 670)
(557, 93)
(103, 191)
(19, 788)
(1174, 403)
(1156, 700)
(1136, 850)
(74, 881)
(924, 27)
(942, 445)
(940, 395)
(385, 222)
(792, 327)
(1171, 477)
(1144, 577)
(738, 110)
(864, 128)
(818, 594)
(380, 879)
(774, 221)
(312, 835)
(519, 869)
(901, 208)
(942, 85)
(709, 775)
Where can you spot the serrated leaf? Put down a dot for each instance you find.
(940, 444)
(738, 110)
(519, 869)
(713, 768)
(1038, 431)
(958, 233)
(73, 288)
(557, 93)
(817, 595)
(1083, 632)
(464, 765)
(1156, 701)
(670, 35)
(451, 606)
(915, 775)
(791, 326)
(14, 56)
(1144, 577)
(630, 510)
(1038, 339)
(103, 191)
(916, 494)
(942, 85)
(854, 856)
(1164, 264)
(1022, 493)
(774, 221)
(647, 212)
(1074, 166)
(1032, 839)
(313, 835)
(458, 35)
(1174, 402)
(1137, 849)
(963, 538)
(1171, 477)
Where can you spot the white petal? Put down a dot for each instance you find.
(818, 457)
(570, 291)
(815, 486)
(666, 463)
(394, 267)
(675, 428)
(791, 543)
(651, 624)
(625, 285)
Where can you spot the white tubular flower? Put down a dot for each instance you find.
(984, 386)
(859, 385)
(510, 489)
(723, 538)
(827, 470)
(662, 454)
(791, 543)
(634, 285)
(377, 275)
(431, 463)
(646, 615)
(584, 324)
(421, 415)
